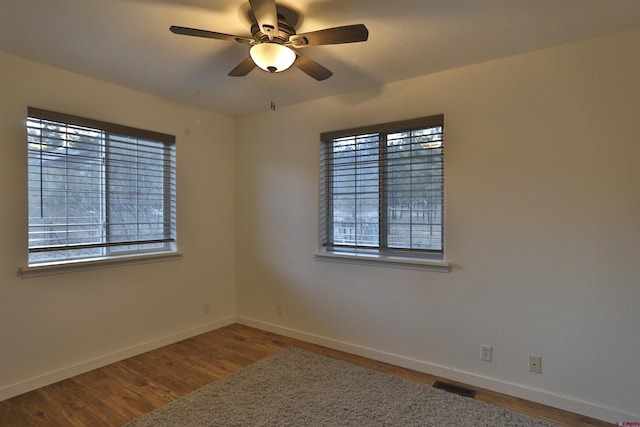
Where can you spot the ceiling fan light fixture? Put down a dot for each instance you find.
(272, 57)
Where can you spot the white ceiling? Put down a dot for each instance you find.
(128, 42)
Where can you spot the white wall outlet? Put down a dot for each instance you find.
(486, 352)
(535, 364)
(205, 308)
(279, 310)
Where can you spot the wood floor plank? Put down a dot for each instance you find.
(120, 392)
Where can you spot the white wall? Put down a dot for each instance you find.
(55, 326)
(542, 228)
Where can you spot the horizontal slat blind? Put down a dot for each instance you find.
(382, 189)
(97, 189)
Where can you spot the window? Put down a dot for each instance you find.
(97, 190)
(382, 190)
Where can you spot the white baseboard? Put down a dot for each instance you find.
(512, 389)
(98, 362)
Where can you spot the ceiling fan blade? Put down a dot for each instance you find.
(337, 35)
(312, 68)
(185, 31)
(266, 15)
(243, 68)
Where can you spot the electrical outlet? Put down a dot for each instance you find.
(535, 364)
(279, 310)
(486, 352)
(205, 308)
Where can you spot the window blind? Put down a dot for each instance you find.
(382, 189)
(97, 189)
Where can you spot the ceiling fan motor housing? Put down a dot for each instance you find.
(285, 31)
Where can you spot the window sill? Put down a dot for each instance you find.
(385, 261)
(71, 266)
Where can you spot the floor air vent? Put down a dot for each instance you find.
(454, 389)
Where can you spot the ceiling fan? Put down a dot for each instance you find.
(272, 40)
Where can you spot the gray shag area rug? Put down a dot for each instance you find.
(299, 388)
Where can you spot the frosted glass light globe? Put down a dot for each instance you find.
(272, 57)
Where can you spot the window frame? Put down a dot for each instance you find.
(133, 141)
(394, 257)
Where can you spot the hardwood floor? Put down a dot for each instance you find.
(118, 393)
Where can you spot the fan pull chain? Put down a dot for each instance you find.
(272, 82)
